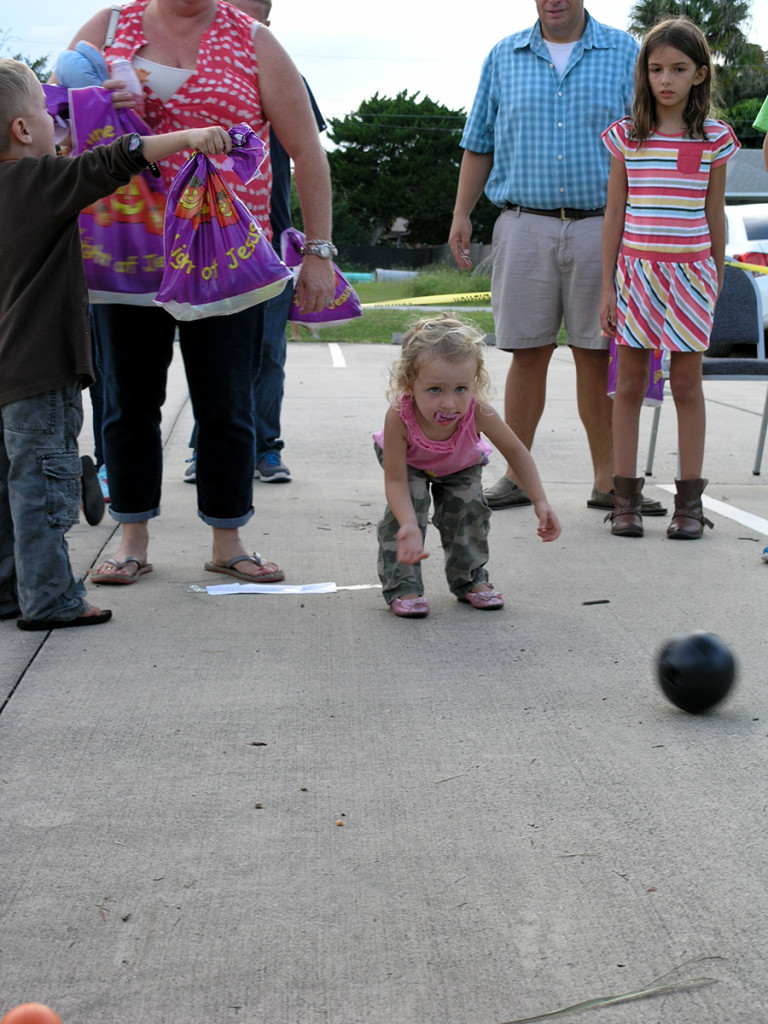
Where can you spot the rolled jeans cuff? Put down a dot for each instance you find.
(226, 524)
(134, 517)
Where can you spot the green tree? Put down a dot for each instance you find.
(721, 21)
(741, 117)
(742, 67)
(744, 78)
(347, 229)
(398, 157)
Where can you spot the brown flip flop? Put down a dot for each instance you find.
(265, 576)
(115, 577)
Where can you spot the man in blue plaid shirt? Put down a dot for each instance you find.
(533, 143)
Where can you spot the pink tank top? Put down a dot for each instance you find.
(224, 89)
(464, 448)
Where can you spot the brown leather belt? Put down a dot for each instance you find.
(562, 212)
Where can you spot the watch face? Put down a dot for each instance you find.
(134, 145)
(324, 250)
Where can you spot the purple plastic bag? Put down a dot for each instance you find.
(121, 236)
(218, 259)
(345, 306)
(655, 393)
(57, 105)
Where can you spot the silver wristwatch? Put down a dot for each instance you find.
(319, 247)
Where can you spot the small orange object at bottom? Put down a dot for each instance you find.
(31, 1013)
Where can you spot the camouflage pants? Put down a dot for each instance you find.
(462, 518)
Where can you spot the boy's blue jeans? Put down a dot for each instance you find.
(40, 491)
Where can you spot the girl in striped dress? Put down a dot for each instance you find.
(663, 257)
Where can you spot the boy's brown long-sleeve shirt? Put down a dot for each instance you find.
(45, 339)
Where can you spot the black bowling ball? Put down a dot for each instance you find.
(696, 671)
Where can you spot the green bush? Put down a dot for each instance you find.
(436, 279)
(445, 279)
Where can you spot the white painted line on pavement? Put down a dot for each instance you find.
(722, 508)
(337, 356)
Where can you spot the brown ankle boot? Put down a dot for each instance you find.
(688, 519)
(626, 520)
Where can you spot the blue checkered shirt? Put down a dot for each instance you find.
(545, 131)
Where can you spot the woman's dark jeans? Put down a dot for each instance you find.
(219, 352)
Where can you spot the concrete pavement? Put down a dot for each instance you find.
(525, 821)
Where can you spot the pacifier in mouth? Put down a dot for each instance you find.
(446, 417)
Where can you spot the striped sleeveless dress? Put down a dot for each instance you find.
(666, 279)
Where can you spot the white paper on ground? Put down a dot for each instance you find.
(272, 588)
(282, 588)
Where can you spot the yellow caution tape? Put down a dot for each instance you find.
(432, 300)
(439, 300)
(747, 266)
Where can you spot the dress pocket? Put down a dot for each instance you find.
(689, 157)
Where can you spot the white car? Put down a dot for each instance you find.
(746, 239)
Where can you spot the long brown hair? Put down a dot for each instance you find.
(683, 35)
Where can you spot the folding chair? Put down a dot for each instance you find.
(738, 320)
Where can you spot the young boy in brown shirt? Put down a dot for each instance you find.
(45, 347)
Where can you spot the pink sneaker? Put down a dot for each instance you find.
(484, 599)
(410, 607)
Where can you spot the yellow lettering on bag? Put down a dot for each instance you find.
(180, 259)
(99, 135)
(126, 266)
(254, 236)
(244, 251)
(341, 299)
(93, 253)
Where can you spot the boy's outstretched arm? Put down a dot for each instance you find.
(210, 141)
(502, 437)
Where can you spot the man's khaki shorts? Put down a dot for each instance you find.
(546, 271)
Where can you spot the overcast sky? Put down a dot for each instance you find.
(350, 49)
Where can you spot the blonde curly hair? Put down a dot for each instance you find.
(442, 337)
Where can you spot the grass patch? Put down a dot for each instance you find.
(438, 279)
(376, 326)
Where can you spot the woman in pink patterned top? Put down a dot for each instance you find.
(663, 257)
(201, 62)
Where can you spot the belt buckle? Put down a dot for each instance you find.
(562, 213)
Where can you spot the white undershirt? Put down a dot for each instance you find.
(560, 54)
(165, 81)
(161, 79)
